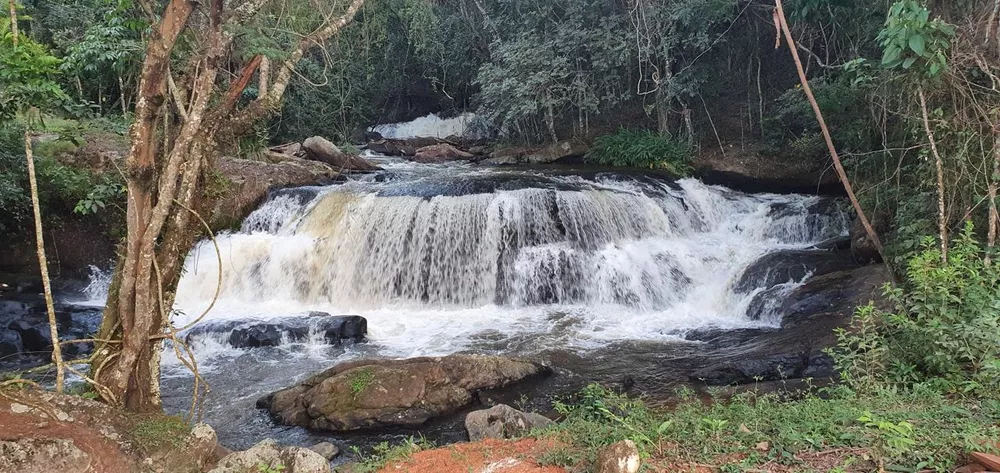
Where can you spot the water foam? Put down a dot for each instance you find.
(564, 261)
(466, 125)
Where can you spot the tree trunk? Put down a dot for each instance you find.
(781, 23)
(165, 189)
(942, 217)
(13, 20)
(994, 217)
(43, 264)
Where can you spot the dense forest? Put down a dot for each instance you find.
(908, 90)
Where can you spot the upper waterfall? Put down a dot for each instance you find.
(609, 249)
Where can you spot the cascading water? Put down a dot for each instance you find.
(437, 255)
(596, 272)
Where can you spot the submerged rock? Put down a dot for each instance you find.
(371, 394)
(502, 422)
(792, 266)
(333, 329)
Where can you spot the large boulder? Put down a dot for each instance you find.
(440, 153)
(548, 154)
(752, 171)
(502, 422)
(809, 315)
(554, 152)
(791, 265)
(269, 456)
(369, 394)
(242, 185)
(320, 149)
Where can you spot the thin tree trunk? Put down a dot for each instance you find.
(265, 76)
(44, 265)
(942, 219)
(13, 19)
(782, 23)
(994, 218)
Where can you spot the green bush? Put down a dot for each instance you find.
(947, 322)
(642, 149)
(944, 330)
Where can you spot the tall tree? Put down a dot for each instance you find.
(167, 166)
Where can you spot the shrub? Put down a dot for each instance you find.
(642, 149)
(944, 330)
(947, 322)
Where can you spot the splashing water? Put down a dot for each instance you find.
(466, 125)
(441, 257)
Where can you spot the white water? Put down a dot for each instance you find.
(466, 125)
(566, 261)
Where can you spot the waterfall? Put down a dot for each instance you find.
(454, 253)
(466, 125)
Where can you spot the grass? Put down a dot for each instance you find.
(823, 430)
(157, 432)
(360, 379)
(385, 453)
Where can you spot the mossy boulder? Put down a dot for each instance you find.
(371, 394)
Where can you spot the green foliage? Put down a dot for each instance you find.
(947, 322)
(159, 431)
(360, 380)
(270, 468)
(99, 197)
(861, 351)
(907, 430)
(642, 149)
(912, 41)
(385, 453)
(14, 199)
(791, 128)
(27, 75)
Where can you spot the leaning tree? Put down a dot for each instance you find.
(191, 92)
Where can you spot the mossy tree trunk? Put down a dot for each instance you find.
(165, 176)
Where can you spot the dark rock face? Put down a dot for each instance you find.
(809, 315)
(25, 336)
(243, 334)
(792, 265)
(371, 394)
(750, 171)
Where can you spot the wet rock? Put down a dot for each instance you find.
(791, 266)
(269, 454)
(502, 422)
(369, 394)
(334, 329)
(326, 450)
(263, 335)
(247, 183)
(344, 327)
(373, 136)
(42, 455)
(440, 153)
(320, 149)
(621, 457)
(751, 171)
(771, 368)
(835, 294)
(562, 151)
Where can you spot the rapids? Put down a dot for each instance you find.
(570, 267)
